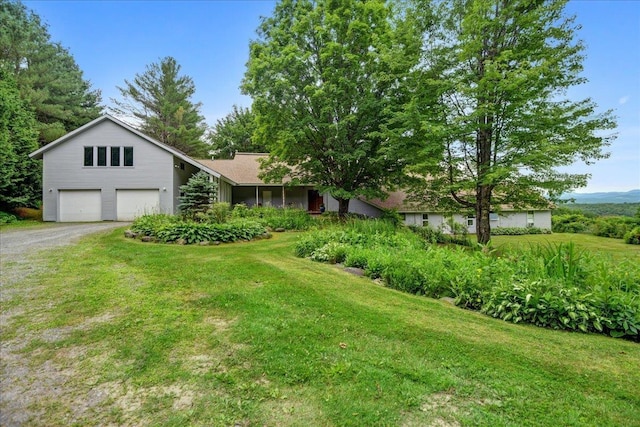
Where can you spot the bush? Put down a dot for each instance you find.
(570, 223)
(193, 232)
(148, 225)
(219, 213)
(28, 213)
(392, 216)
(287, 218)
(7, 218)
(429, 234)
(518, 231)
(554, 286)
(633, 236)
(614, 226)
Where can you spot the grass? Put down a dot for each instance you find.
(24, 223)
(615, 248)
(248, 334)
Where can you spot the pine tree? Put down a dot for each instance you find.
(197, 194)
(160, 99)
(46, 74)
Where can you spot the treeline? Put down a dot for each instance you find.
(627, 227)
(599, 209)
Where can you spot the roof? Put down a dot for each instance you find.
(179, 154)
(243, 169)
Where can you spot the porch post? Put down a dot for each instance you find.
(283, 200)
(257, 197)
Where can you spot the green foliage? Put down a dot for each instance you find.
(600, 209)
(193, 232)
(161, 99)
(287, 218)
(325, 77)
(393, 217)
(149, 224)
(570, 223)
(555, 286)
(430, 234)
(219, 213)
(234, 134)
(633, 237)
(615, 227)
(492, 117)
(197, 194)
(518, 231)
(169, 228)
(52, 84)
(20, 183)
(7, 218)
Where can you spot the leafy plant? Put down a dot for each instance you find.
(633, 237)
(7, 218)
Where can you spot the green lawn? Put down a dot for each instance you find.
(616, 248)
(247, 334)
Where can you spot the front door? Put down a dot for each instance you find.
(315, 200)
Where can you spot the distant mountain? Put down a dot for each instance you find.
(632, 196)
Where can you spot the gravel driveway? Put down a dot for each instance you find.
(24, 252)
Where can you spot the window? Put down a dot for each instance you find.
(470, 220)
(128, 156)
(530, 219)
(425, 220)
(88, 156)
(493, 216)
(181, 166)
(102, 156)
(115, 156)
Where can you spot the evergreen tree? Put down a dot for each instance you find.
(234, 134)
(160, 99)
(197, 194)
(490, 107)
(20, 178)
(48, 78)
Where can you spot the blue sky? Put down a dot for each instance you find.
(113, 40)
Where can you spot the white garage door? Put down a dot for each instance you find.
(133, 203)
(80, 205)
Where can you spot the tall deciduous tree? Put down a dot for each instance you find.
(160, 100)
(234, 133)
(325, 79)
(47, 76)
(494, 116)
(20, 177)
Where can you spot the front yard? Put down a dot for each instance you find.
(126, 333)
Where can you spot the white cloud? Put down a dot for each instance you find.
(624, 100)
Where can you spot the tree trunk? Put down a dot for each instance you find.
(343, 207)
(483, 209)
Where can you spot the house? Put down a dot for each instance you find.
(108, 171)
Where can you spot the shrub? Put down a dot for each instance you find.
(149, 224)
(614, 226)
(518, 231)
(331, 253)
(193, 232)
(570, 223)
(218, 214)
(429, 234)
(28, 213)
(633, 237)
(7, 218)
(197, 194)
(392, 216)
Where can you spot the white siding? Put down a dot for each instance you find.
(64, 170)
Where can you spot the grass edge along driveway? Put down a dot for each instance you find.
(121, 332)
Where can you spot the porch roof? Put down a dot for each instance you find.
(243, 169)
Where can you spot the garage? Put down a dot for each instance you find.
(134, 203)
(80, 205)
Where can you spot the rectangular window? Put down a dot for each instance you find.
(530, 219)
(115, 156)
(181, 166)
(425, 220)
(88, 156)
(128, 156)
(470, 220)
(102, 156)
